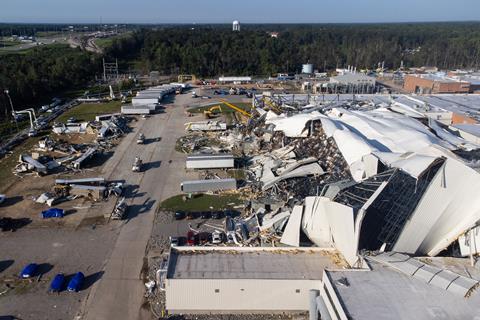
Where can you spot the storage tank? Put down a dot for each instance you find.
(307, 68)
(236, 25)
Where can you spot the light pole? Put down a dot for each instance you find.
(11, 106)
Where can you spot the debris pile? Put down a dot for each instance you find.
(59, 155)
(361, 163)
(94, 189)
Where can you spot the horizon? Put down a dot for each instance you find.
(248, 12)
(243, 23)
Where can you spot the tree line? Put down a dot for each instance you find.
(216, 50)
(36, 75)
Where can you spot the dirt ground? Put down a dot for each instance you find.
(24, 189)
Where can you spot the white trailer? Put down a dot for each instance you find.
(136, 109)
(210, 161)
(141, 101)
(208, 185)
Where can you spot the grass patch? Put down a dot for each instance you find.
(45, 34)
(237, 174)
(201, 202)
(88, 111)
(225, 109)
(7, 43)
(107, 42)
(8, 128)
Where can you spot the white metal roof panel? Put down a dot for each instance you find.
(443, 279)
(426, 273)
(463, 286)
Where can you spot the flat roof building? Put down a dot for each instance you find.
(432, 83)
(386, 293)
(253, 280)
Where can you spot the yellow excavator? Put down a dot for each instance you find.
(212, 112)
(243, 112)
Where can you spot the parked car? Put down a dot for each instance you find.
(217, 237)
(32, 133)
(205, 215)
(191, 238)
(29, 271)
(174, 241)
(75, 284)
(191, 215)
(217, 215)
(57, 283)
(179, 215)
(203, 238)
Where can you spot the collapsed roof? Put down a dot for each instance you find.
(410, 192)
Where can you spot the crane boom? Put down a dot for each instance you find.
(234, 107)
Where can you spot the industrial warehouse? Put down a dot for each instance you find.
(258, 161)
(337, 185)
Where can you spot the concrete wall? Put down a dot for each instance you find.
(238, 295)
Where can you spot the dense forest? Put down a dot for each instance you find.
(213, 50)
(43, 72)
(216, 50)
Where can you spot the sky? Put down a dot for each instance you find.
(246, 11)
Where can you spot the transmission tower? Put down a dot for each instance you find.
(110, 70)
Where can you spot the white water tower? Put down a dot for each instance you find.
(236, 25)
(307, 68)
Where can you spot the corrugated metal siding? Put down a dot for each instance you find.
(448, 207)
(238, 294)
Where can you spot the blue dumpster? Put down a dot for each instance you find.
(57, 283)
(53, 213)
(29, 270)
(76, 282)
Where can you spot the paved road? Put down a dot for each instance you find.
(119, 293)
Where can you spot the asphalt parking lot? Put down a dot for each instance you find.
(55, 250)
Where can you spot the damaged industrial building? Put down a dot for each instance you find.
(360, 175)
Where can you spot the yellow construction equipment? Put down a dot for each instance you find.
(212, 112)
(271, 104)
(238, 109)
(186, 77)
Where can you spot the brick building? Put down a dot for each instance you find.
(432, 84)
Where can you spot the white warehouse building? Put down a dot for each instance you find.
(238, 280)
